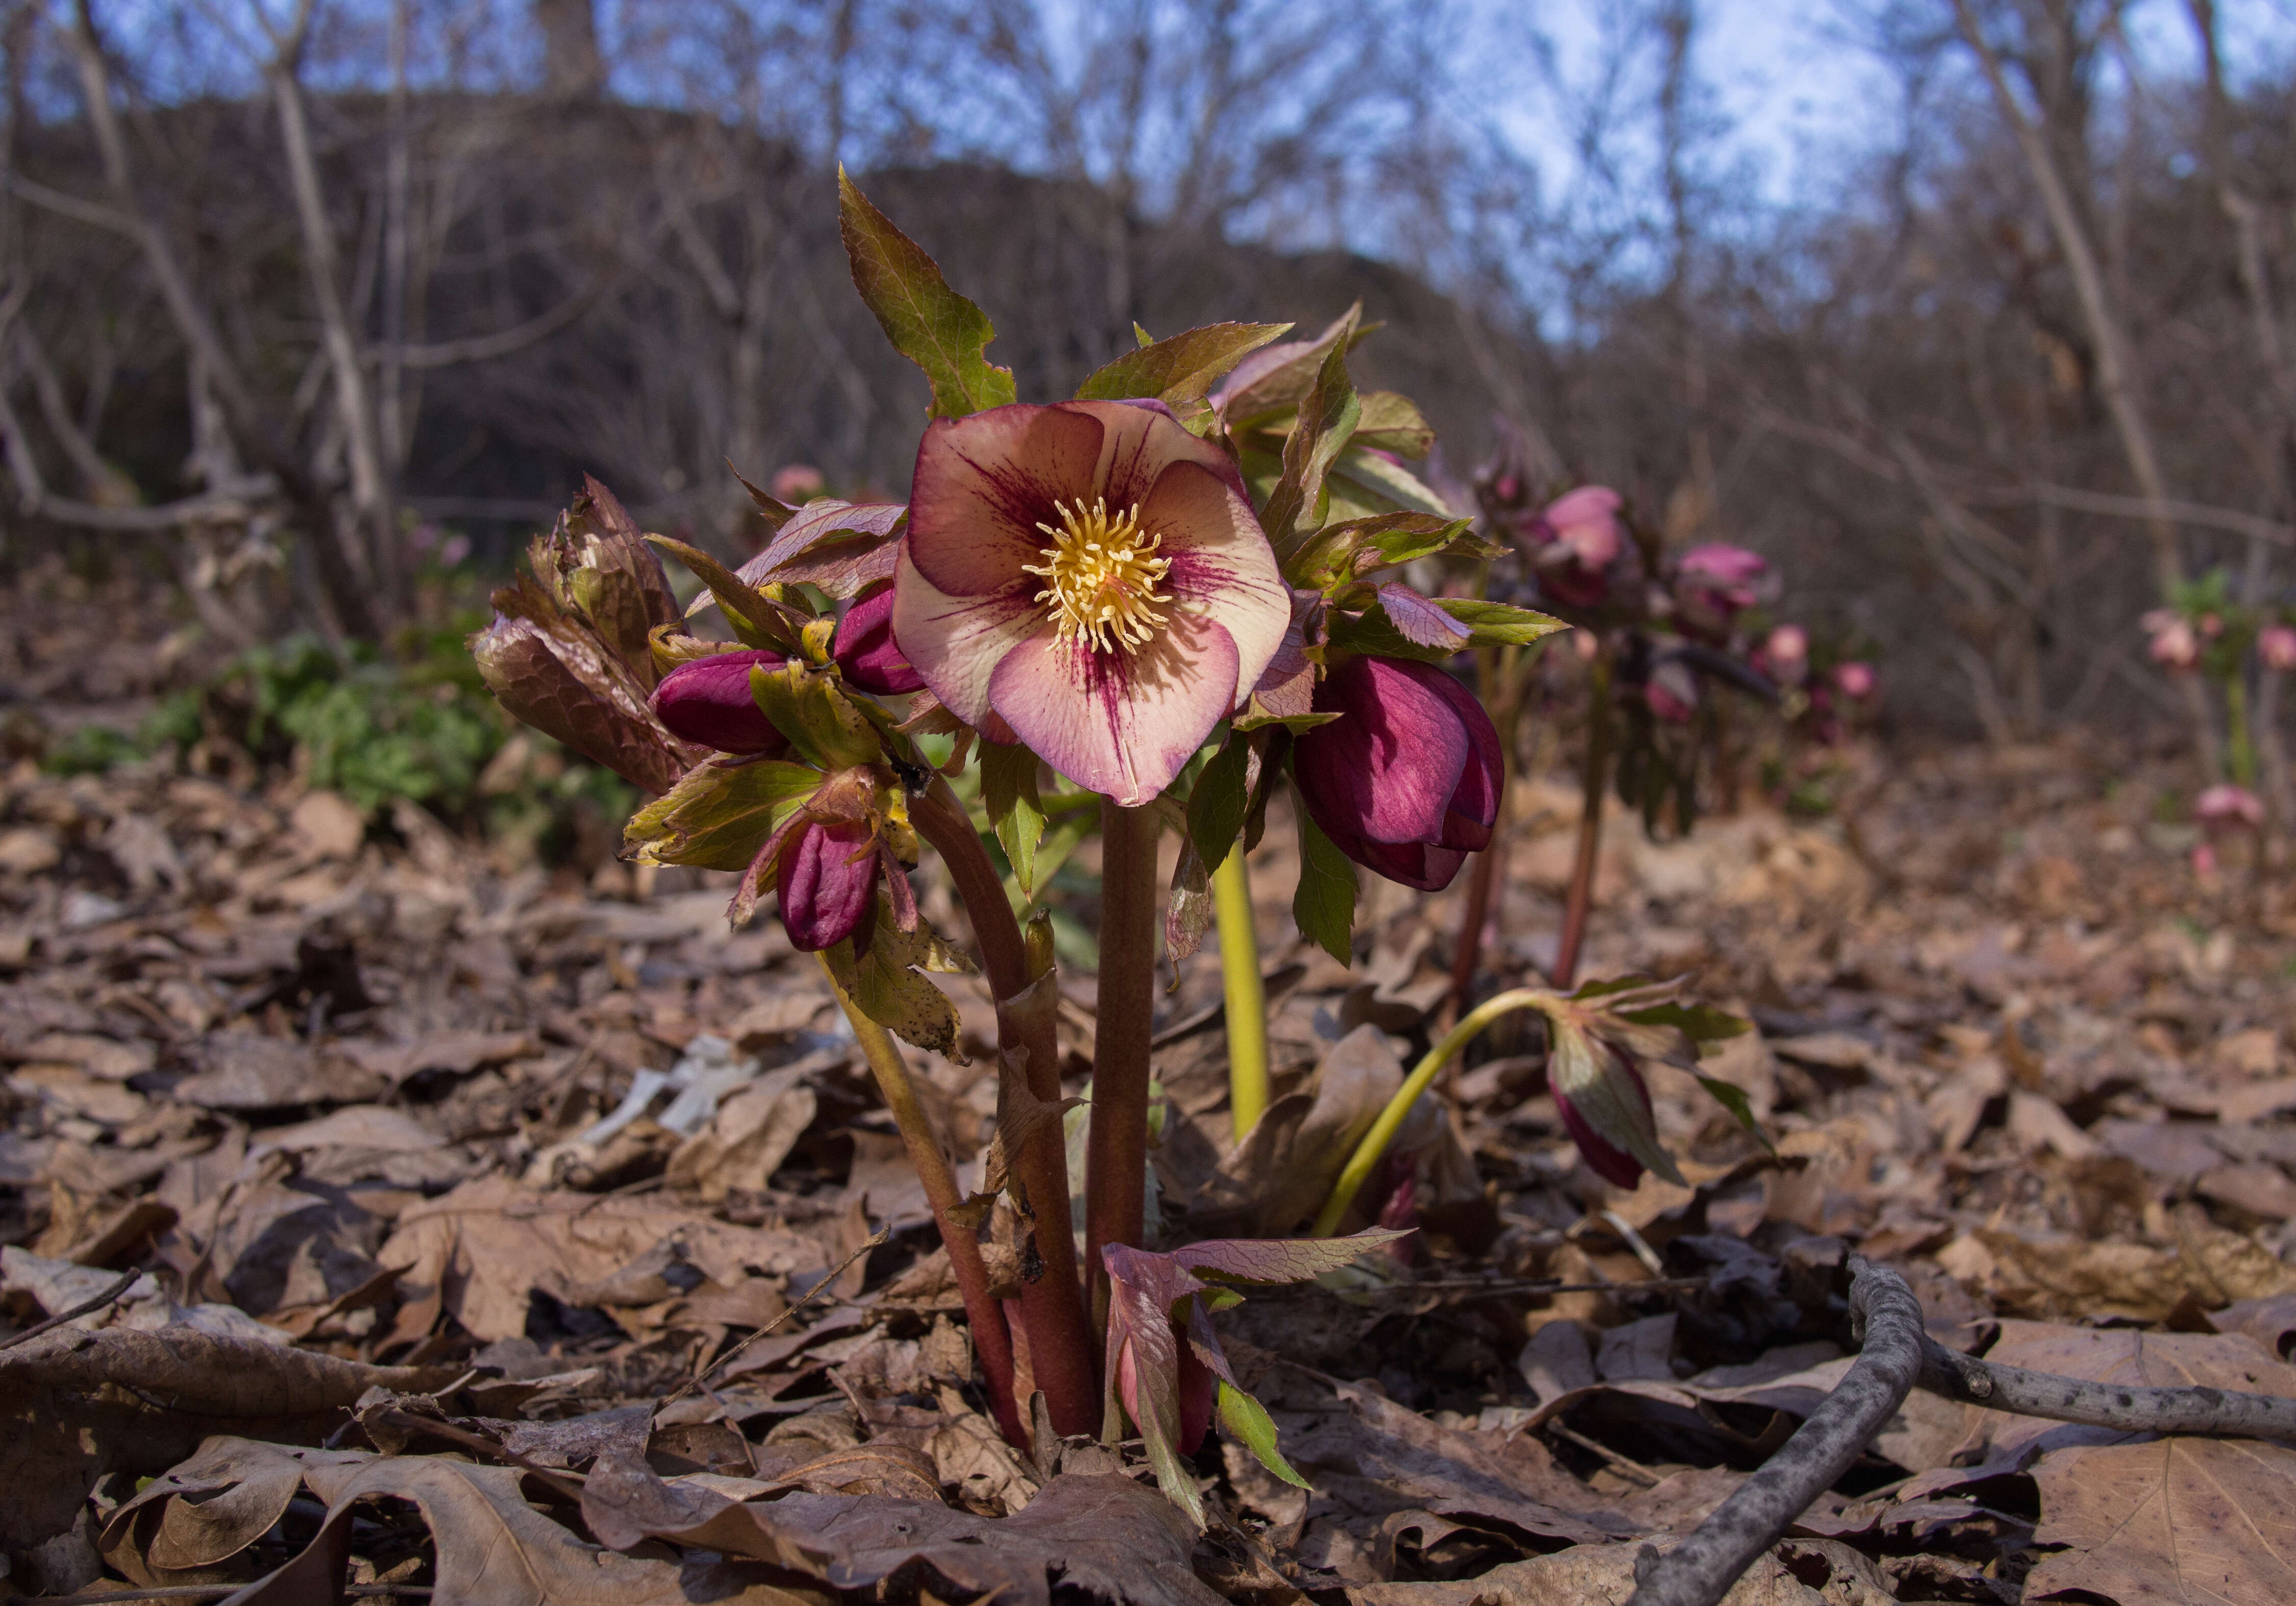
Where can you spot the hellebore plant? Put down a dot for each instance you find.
(1152, 606)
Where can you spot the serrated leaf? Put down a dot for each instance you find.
(717, 816)
(1500, 623)
(885, 984)
(1326, 419)
(939, 331)
(1394, 423)
(824, 726)
(1421, 621)
(1217, 803)
(842, 547)
(1325, 905)
(757, 619)
(1734, 1099)
(1274, 380)
(1008, 794)
(1248, 1419)
(1181, 369)
(1258, 716)
(1383, 483)
(1372, 634)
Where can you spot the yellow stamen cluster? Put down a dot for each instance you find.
(1101, 577)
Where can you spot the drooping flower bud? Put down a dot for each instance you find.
(707, 700)
(865, 651)
(1597, 1044)
(2224, 807)
(1408, 782)
(1573, 544)
(827, 873)
(1714, 583)
(1671, 691)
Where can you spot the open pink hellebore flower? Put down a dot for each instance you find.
(865, 651)
(1406, 782)
(1092, 574)
(708, 702)
(2275, 644)
(1722, 576)
(1574, 541)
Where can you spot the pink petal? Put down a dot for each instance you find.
(1587, 520)
(865, 651)
(1474, 806)
(1388, 770)
(1117, 724)
(1221, 568)
(983, 484)
(1139, 441)
(955, 642)
(828, 883)
(1418, 865)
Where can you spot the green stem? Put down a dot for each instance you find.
(1116, 1147)
(1247, 1001)
(2242, 753)
(991, 1339)
(1581, 895)
(1373, 1149)
(1062, 1353)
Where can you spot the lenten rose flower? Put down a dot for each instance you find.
(865, 651)
(2175, 644)
(1407, 782)
(1092, 574)
(1715, 583)
(2227, 807)
(1855, 680)
(707, 700)
(2275, 644)
(1574, 541)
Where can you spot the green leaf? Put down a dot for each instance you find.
(1355, 548)
(1248, 1419)
(1734, 1099)
(1008, 792)
(718, 815)
(1699, 1022)
(810, 708)
(1325, 906)
(1326, 419)
(757, 619)
(1258, 718)
(885, 984)
(1181, 369)
(1217, 803)
(930, 324)
(1371, 633)
(1392, 424)
(1380, 483)
(1500, 623)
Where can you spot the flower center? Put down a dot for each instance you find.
(1101, 574)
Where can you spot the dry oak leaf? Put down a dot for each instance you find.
(2149, 1519)
(1795, 1572)
(75, 1405)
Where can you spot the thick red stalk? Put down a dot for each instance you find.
(1590, 827)
(1060, 1345)
(1116, 1151)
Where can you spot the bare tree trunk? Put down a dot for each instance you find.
(2116, 370)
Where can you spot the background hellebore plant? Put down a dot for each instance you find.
(1210, 571)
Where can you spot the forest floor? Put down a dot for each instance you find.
(457, 1185)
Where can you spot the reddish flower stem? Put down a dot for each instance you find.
(1116, 1150)
(1061, 1348)
(1590, 827)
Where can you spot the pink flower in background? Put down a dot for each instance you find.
(1406, 781)
(865, 651)
(797, 483)
(1573, 542)
(1722, 576)
(1788, 647)
(2227, 807)
(1855, 680)
(2175, 645)
(2275, 644)
(708, 702)
(1672, 692)
(1093, 575)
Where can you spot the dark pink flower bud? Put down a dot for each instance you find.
(707, 700)
(828, 878)
(1406, 782)
(1606, 1161)
(866, 652)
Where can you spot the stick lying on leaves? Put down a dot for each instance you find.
(1896, 1356)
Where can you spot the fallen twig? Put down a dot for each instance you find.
(85, 1308)
(1897, 1355)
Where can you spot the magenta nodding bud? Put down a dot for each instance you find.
(865, 651)
(1605, 1159)
(708, 702)
(1407, 782)
(828, 878)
